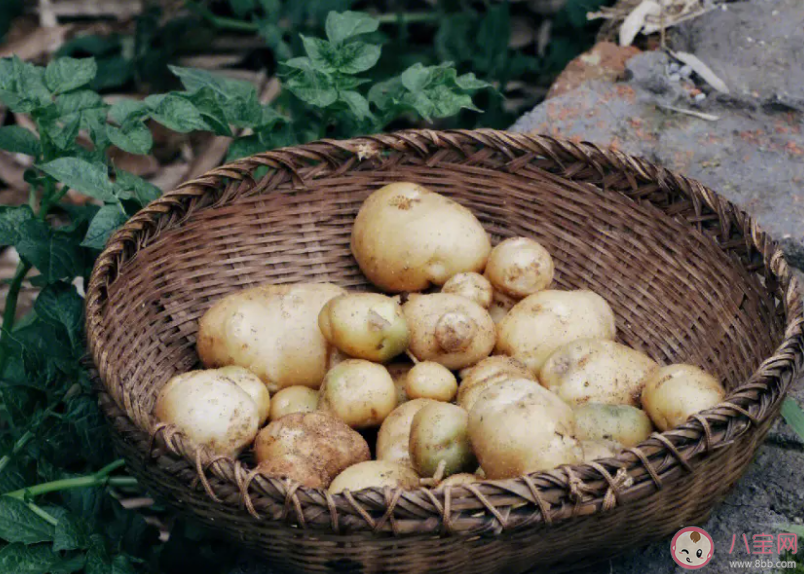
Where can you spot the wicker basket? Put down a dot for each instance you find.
(690, 277)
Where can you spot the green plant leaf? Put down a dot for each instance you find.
(11, 220)
(18, 523)
(311, 85)
(205, 102)
(54, 253)
(356, 57)
(22, 86)
(59, 304)
(91, 179)
(124, 110)
(345, 25)
(86, 104)
(417, 77)
(20, 559)
(176, 113)
(130, 186)
(61, 133)
(194, 79)
(71, 534)
(67, 74)
(105, 222)
(794, 416)
(16, 139)
(357, 104)
(133, 136)
(69, 565)
(470, 82)
(322, 55)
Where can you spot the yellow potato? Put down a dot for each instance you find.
(365, 325)
(406, 237)
(518, 427)
(597, 449)
(210, 409)
(489, 371)
(399, 373)
(544, 321)
(252, 384)
(623, 424)
(519, 267)
(358, 392)
(674, 393)
(311, 448)
(471, 285)
(438, 434)
(448, 329)
(596, 370)
(296, 399)
(429, 380)
(375, 474)
(393, 440)
(272, 331)
(500, 306)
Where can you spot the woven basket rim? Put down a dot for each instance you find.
(541, 497)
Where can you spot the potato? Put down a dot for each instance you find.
(272, 331)
(365, 325)
(674, 393)
(544, 321)
(429, 380)
(406, 237)
(393, 440)
(252, 384)
(490, 371)
(438, 434)
(623, 424)
(358, 392)
(500, 306)
(448, 329)
(519, 267)
(599, 448)
(472, 286)
(210, 409)
(375, 474)
(326, 444)
(459, 479)
(596, 370)
(399, 373)
(517, 427)
(296, 399)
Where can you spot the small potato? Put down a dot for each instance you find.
(623, 424)
(517, 427)
(429, 380)
(358, 392)
(210, 409)
(327, 445)
(375, 474)
(458, 480)
(365, 325)
(252, 384)
(272, 331)
(472, 286)
(406, 237)
(519, 267)
(596, 370)
(597, 449)
(544, 321)
(393, 440)
(490, 371)
(399, 373)
(448, 329)
(438, 434)
(296, 399)
(674, 393)
(500, 306)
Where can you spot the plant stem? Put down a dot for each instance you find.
(407, 17)
(18, 446)
(42, 513)
(219, 21)
(100, 478)
(10, 312)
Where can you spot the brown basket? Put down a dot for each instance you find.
(690, 277)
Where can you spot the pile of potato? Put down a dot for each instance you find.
(495, 376)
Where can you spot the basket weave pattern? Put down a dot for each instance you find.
(690, 278)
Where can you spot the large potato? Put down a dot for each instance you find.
(544, 321)
(296, 399)
(302, 443)
(597, 449)
(489, 371)
(500, 306)
(365, 325)
(517, 427)
(406, 237)
(272, 331)
(439, 437)
(399, 373)
(596, 370)
(519, 267)
(375, 474)
(471, 285)
(623, 424)
(393, 440)
(448, 329)
(210, 409)
(358, 392)
(674, 393)
(429, 380)
(252, 384)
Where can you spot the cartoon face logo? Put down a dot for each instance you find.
(692, 548)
